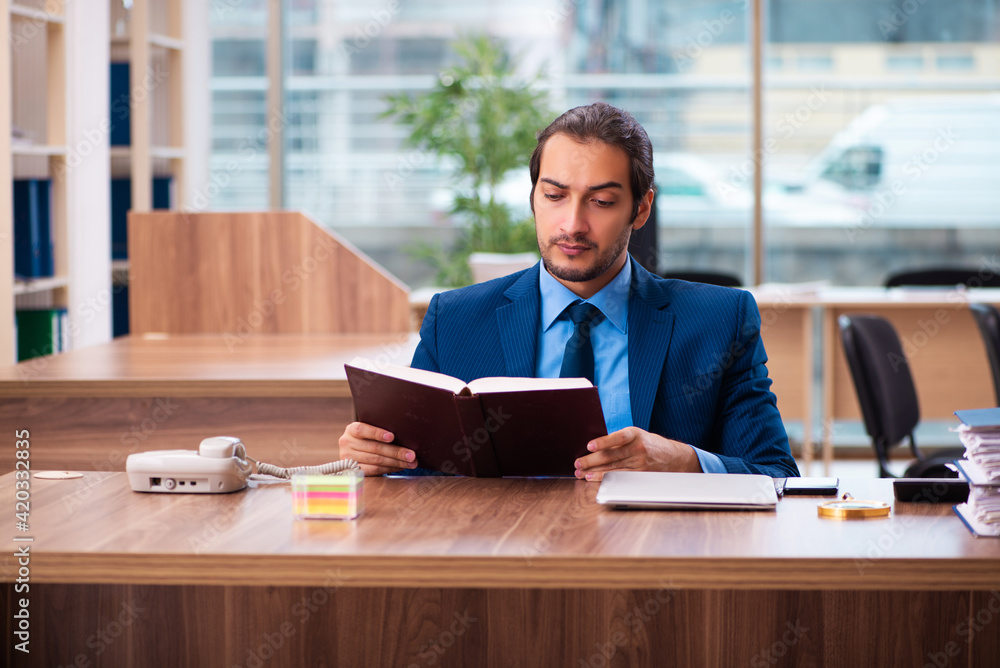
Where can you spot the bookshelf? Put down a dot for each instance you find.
(150, 37)
(54, 86)
(161, 41)
(34, 75)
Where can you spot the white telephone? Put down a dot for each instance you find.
(220, 465)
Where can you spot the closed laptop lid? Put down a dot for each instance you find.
(701, 491)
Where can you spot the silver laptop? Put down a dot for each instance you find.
(698, 491)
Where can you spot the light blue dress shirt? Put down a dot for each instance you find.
(609, 339)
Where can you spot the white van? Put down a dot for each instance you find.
(929, 162)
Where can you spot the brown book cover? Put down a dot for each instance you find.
(488, 428)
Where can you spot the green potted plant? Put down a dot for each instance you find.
(481, 117)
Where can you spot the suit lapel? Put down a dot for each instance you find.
(649, 330)
(518, 324)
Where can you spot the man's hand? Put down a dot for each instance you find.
(634, 449)
(370, 447)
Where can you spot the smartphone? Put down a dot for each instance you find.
(811, 486)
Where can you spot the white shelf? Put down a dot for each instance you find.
(34, 14)
(166, 42)
(154, 39)
(40, 285)
(169, 152)
(37, 149)
(164, 152)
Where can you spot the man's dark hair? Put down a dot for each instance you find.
(602, 122)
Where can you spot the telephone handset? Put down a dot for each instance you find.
(220, 465)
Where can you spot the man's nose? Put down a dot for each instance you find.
(575, 223)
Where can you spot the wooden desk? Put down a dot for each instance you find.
(788, 332)
(286, 395)
(516, 572)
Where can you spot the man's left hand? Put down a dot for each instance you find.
(634, 449)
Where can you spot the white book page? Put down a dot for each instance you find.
(505, 384)
(421, 376)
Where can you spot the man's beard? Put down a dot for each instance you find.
(604, 260)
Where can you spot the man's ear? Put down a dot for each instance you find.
(645, 207)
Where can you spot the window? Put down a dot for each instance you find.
(856, 168)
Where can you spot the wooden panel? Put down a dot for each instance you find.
(787, 333)
(98, 434)
(336, 625)
(240, 274)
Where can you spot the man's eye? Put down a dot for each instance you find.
(603, 203)
(552, 197)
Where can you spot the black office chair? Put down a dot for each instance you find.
(887, 394)
(944, 277)
(988, 319)
(712, 278)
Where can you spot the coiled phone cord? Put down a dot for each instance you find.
(330, 468)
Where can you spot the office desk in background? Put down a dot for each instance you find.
(940, 339)
(494, 572)
(942, 343)
(285, 395)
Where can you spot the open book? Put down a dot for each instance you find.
(487, 428)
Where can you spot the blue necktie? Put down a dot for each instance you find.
(578, 359)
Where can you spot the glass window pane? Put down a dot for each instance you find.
(887, 160)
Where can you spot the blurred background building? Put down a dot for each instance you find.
(881, 125)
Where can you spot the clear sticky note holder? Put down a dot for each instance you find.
(328, 497)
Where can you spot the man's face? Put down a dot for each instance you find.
(583, 211)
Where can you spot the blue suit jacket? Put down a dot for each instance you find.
(696, 363)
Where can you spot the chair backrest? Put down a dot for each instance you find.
(882, 379)
(945, 277)
(712, 278)
(988, 318)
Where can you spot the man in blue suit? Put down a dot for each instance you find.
(680, 367)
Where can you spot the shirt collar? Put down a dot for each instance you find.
(612, 299)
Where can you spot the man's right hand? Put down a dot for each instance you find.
(371, 447)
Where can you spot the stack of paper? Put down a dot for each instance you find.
(980, 434)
